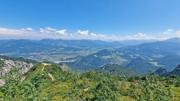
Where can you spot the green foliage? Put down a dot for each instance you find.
(47, 82)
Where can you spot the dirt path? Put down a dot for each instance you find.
(49, 74)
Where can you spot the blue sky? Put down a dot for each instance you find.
(109, 17)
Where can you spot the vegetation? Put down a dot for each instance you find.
(48, 82)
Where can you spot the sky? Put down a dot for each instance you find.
(90, 19)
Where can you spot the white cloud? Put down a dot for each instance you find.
(48, 32)
(139, 36)
(27, 29)
(62, 32)
(83, 33)
(170, 30)
(6, 31)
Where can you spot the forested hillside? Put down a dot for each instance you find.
(48, 82)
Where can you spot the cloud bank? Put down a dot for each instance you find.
(52, 33)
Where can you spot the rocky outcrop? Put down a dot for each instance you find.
(8, 64)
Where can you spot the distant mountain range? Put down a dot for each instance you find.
(22, 66)
(53, 50)
(175, 72)
(142, 58)
(139, 56)
(164, 72)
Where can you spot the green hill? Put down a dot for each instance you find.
(48, 82)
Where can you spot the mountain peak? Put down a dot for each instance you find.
(160, 71)
(176, 71)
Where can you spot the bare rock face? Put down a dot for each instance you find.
(7, 65)
(2, 82)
